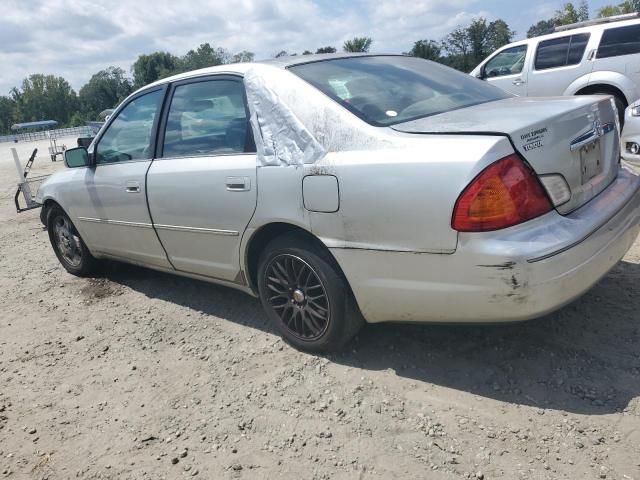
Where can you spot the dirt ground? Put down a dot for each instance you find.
(136, 374)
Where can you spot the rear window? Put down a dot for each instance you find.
(561, 52)
(385, 90)
(619, 41)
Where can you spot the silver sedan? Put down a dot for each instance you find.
(342, 189)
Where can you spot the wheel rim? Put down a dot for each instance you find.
(296, 294)
(67, 241)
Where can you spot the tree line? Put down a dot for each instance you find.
(51, 97)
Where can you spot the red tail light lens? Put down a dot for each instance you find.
(506, 193)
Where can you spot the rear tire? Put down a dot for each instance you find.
(306, 296)
(67, 244)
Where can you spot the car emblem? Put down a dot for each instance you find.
(598, 129)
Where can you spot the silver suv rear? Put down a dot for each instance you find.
(595, 57)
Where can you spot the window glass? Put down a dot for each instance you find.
(561, 52)
(619, 41)
(507, 62)
(577, 48)
(129, 135)
(385, 90)
(552, 53)
(206, 118)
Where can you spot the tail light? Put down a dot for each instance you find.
(504, 194)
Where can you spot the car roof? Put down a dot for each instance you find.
(280, 62)
(573, 31)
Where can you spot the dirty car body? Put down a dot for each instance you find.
(427, 195)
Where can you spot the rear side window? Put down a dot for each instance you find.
(207, 118)
(561, 52)
(619, 41)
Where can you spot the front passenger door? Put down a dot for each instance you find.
(111, 208)
(202, 185)
(507, 71)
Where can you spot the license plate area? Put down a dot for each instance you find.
(590, 161)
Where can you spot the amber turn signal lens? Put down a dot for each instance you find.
(504, 194)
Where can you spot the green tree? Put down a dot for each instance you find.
(565, 16)
(468, 46)
(149, 68)
(243, 56)
(105, 89)
(458, 45)
(202, 57)
(326, 50)
(7, 112)
(44, 97)
(281, 53)
(541, 28)
(478, 32)
(428, 49)
(358, 44)
(307, 52)
(499, 34)
(570, 14)
(628, 6)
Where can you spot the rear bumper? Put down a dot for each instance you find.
(515, 274)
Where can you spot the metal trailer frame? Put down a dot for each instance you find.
(27, 186)
(54, 149)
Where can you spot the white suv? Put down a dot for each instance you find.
(595, 57)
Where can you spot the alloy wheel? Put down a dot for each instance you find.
(298, 297)
(68, 241)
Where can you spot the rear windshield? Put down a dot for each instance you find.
(385, 90)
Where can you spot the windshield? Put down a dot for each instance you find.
(385, 90)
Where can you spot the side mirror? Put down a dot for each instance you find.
(481, 74)
(85, 141)
(76, 157)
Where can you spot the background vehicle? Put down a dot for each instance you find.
(594, 57)
(630, 140)
(343, 187)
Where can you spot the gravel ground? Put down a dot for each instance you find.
(136, 374)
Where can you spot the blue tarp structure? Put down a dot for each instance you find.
(34, 125)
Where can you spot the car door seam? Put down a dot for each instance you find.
(146, 197)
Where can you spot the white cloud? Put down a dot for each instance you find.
(76, 38)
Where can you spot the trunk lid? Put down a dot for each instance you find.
(576, 137)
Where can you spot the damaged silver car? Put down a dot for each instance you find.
(345, 189)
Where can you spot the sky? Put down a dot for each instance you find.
(76, 38)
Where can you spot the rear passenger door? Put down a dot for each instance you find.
(557, 63)
(202, 183)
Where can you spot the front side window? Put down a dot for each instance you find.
(561, 52)
(207, 118)
(129, 135)
(507, 62)
(386, 90)
(619, 41)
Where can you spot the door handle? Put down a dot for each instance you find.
(238, 184)
(518, 82)
(133, 187)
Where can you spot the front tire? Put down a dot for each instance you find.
(306, 296)
(67, 244)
